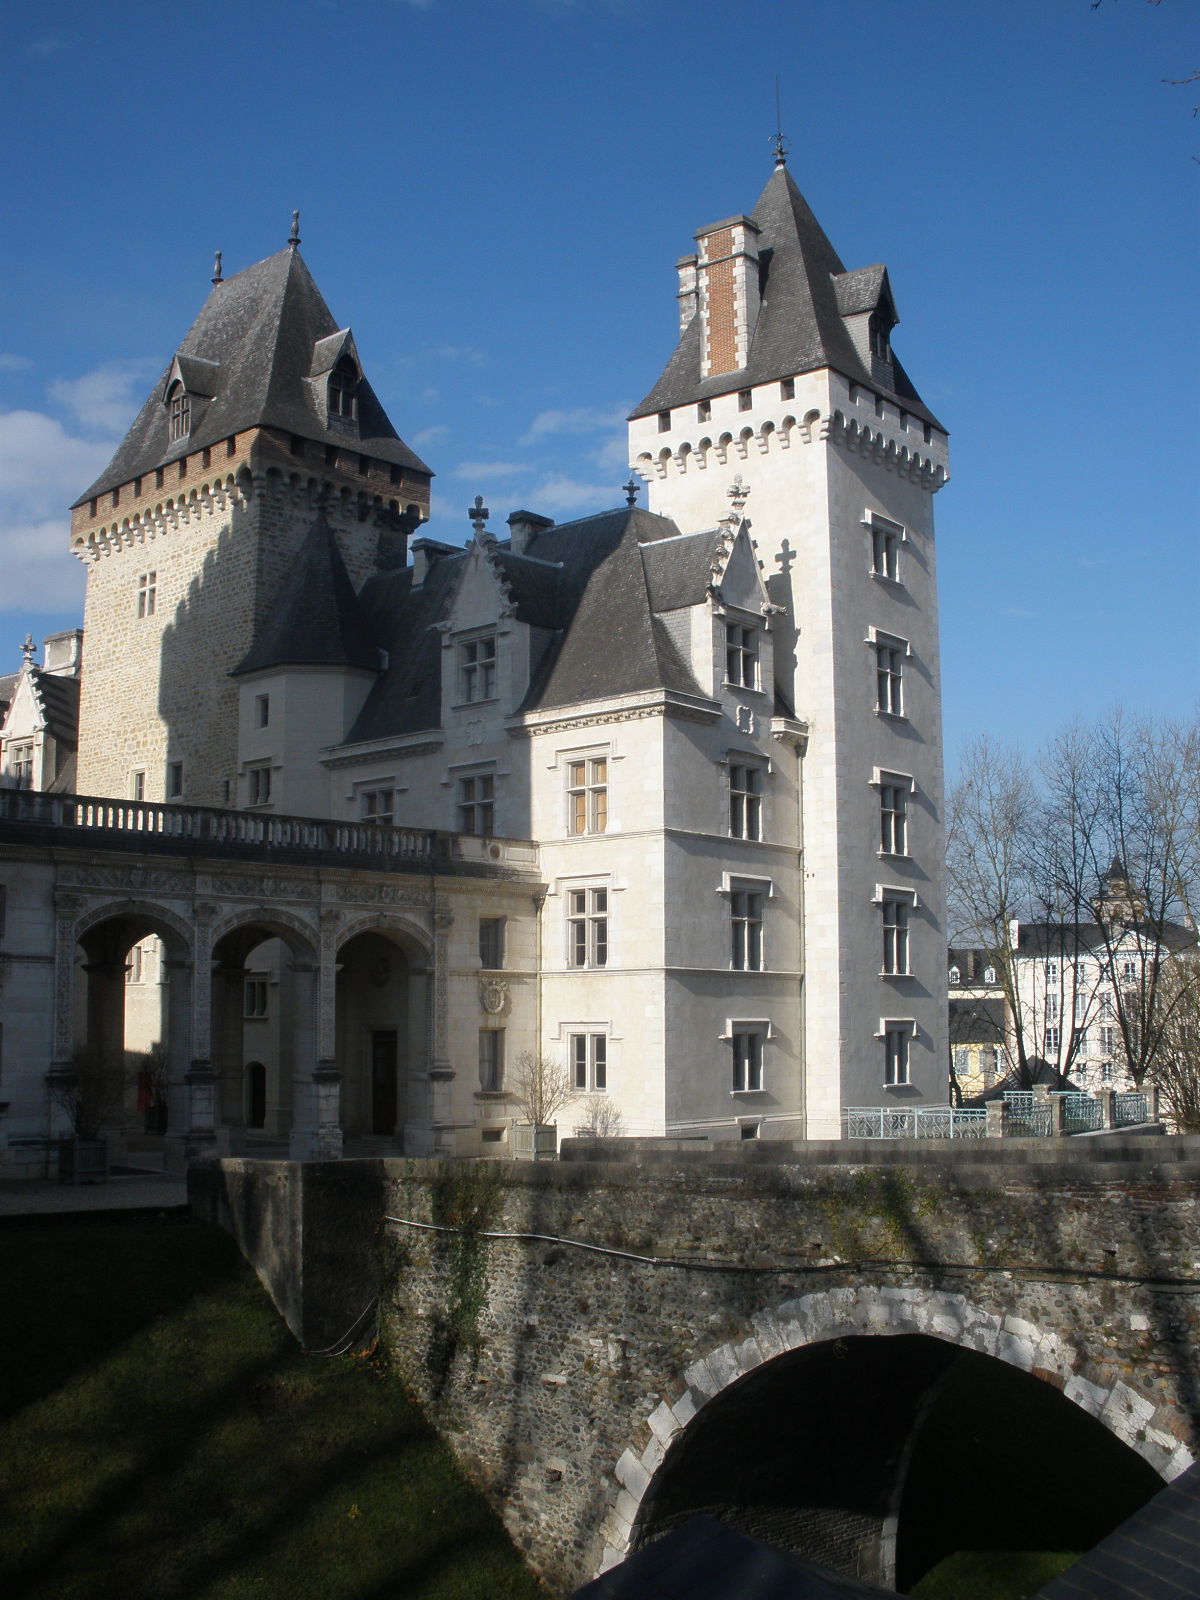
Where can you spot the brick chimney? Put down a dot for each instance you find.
(727, 281)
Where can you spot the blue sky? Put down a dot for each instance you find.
(493, 194)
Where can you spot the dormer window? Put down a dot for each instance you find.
(343, 386)
(179, 412)
(880, 343)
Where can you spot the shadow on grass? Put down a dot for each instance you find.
(195, 1451)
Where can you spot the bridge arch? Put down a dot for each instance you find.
(873, 1330)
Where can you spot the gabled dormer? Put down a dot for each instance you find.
(334, 379)
(867, 307)
(189, 384)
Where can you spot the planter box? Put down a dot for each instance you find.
(535, 1141)
(83, 1161)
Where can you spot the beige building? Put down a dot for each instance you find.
(706, 734)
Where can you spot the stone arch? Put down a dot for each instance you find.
(381, 1044)
(299, 936)
(845, 1312)
(389, 923)
(145, 910)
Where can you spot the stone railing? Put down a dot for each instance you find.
(147, 824)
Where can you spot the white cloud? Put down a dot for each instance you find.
(572, 497)
(105, 399)
(466, 354)
(43, 468)
(488, 469)
(579, 419)
(429, 435)
(12, 363)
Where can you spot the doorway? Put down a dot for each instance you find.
(383, 1080)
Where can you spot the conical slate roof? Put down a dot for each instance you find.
(250, 360)
(317, 620)
(806, 292)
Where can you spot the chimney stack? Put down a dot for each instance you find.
(727, 280)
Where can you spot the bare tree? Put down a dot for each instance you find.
(1176, 1068)
(600, 1118)
(541, 1087)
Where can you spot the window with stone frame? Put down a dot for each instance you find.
(889, 677)
(179, 412)
(746, 927)
(343, 390)
(895, 911)
(147, 593)
(258, 786)
(587, 795)
(745, 800)
(588, 1053)
(378, 806)
(886, 539)
(587, 926)
(746, 1055)
(477, 803)
(741, 655)
(491, 943)
(491, 1060)
(477, 669)
(20, 762)
(255, 996)
(894, 791)
(897, 1047)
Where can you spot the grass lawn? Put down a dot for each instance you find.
(991, 1575)
(162, 1437)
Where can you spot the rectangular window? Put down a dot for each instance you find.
(787, 388)
(20, 763)
(889, 679)
(745, 399)
(174, 780)
(181, 415)
(1081, 1041)
(1128, 972)
(1051, 1008)
(895, 937)
(704, 411)
(254, 996)
(962, 1060)
(664, 422)
(1108, 1040)
(741, 656)
(1107, 1075)
(491, 1060)
(147, 593)
(378, 806)
(135, 969)
(746, 1048)
(746, 930)
(491, 943)
(589, 1061)
(1106, 1003)
(1081, 1006)
(138, 786)
(896, 1042)
(477, 669)
(587, 795)
(1053, 1037)
(1052, 974)
(893, 816)
(745, 802)
(587, 927)
(885, 551)
(477, 804)
(262, 710)
(258, 783)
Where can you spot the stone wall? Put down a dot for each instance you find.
(562, 1375)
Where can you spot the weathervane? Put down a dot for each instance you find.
(216, 277)
(294, 236)
(778, 141)
(631, 489)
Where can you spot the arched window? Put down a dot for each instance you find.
(343, 383)
(179, 411)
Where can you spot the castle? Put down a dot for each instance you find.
(684, 758)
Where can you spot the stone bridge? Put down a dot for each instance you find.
(868, 1354)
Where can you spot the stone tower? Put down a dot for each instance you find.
(188, 535)
(784, 377)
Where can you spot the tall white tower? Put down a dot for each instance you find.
(784, 376)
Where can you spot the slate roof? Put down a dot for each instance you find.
(806, 291)
(58, 697)
(1153, 1555)
(252, 351)
(704, 1560)
(595, 589)
(316, 619)
(1065, 939)
(8, 682)
(978, 1021)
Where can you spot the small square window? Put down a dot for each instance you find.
(745, 399)
(664, 422)
(378, 806)
(704, 411)
(787, 388)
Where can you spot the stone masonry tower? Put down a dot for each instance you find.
(784, 376)
(189, 533)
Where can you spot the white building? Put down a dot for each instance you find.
(716, 721)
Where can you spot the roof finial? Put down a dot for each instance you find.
(632, 488)
(27, 649)
(294, 236)
(737, 492)
(779, 142)
(479, 514)
(217, 278)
